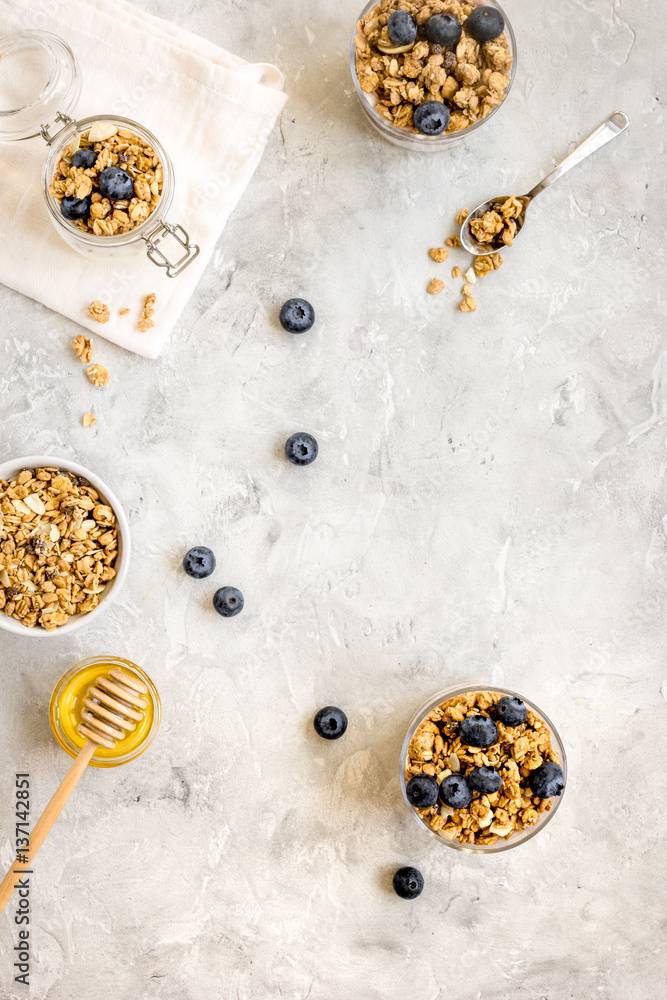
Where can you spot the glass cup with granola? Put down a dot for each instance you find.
(482, 769)
(428, 72)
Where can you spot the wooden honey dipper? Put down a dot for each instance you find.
(113, 706)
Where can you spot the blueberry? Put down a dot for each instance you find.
(511, 711)
(199, 562)
(402, 27)
(301, 448)
(408, 883)
(455, 791)
(297, 316)
(546, 780)
(115, 183)
(478, 731)
(330, 722)
(442, 29)
(75, 208)
(431, 118)
(485, 24)
(422, 791)
(485, 780)
(228, 601)
(84, 158)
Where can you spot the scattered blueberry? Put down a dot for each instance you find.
(478, 731)
(75, 208)
(546, 780)
(485, 780)
(402, 27)
(228, 601)
(301, 448)
(485, 24)
(297, 316)
(442, 29)
(330, 722)
(199, 562)
(408, 883)
(115, 183)
(84, 158)
(455, 791)
(422, 791)
(431, 118)
(511, 711)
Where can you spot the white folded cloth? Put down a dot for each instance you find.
(211, 111)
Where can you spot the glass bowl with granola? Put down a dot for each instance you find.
(108, 183)
(64, 546)
(482, 769)
(424, 74)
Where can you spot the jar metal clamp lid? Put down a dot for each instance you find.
(40, 85)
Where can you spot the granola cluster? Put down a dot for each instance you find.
(115, 147)
(500, 224)
(436, 749)
(469, 78)
(58, 546)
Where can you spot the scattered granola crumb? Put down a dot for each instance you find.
(467, 290)
(453, 241)
(438, 254)
(146, 321)
(468, 305)
(435, 286)
(83, 348)
(89, 420)
(98, 375)
(484, 265)
(123, 312)
(456, 272)
(97, 310)
(462, 216)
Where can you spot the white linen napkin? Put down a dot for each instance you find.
(212, 112)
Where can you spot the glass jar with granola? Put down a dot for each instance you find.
(108, 182)
(482, 769)
(428, 72)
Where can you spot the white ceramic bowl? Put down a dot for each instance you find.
(112, 589)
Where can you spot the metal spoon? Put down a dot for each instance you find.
(618, 123)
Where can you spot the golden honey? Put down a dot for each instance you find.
(67, 704)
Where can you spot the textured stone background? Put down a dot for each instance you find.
(488, 506)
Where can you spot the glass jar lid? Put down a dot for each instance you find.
(39, 79)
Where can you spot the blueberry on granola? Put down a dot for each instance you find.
(297, 316)
(84, 158)
(402, 27)
(422, 791)
(301, 448)
(116, 184)
(546, 780)
(330, 723)
(408, 883)
(199, 562)
(485, 24)
(228, 601)
(442, 29)
(75, 208)
(478, 731)
(455, 791)
(431, 118)
(511, 711)
(485, 780)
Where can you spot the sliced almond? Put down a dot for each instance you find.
(447, 834)
(487, 821)
(500, 829)
(101, 131)
(446, 811)
(470, 276)
(4, 577)
(93, 590)
(442, 775)
(454, 763)
(394, 50)
(21, 507)
(54, 533)
(35, 504)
